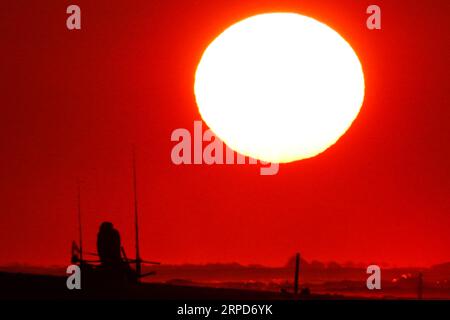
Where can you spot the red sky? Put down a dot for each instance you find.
(73, 103)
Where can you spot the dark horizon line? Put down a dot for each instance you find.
(326, 265)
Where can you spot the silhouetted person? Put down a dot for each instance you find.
(108, 245)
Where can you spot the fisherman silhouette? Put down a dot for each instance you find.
(108, 245)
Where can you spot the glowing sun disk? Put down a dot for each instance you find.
(279, 87)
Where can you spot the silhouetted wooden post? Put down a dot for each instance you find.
(420, 287)
(297, 269)
(136, 222)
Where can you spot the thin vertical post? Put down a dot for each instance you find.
(297, 269)
(136, 221)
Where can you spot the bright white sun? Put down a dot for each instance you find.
(279, 87)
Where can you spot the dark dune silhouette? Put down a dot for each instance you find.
(234, 281)
(43, 287)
